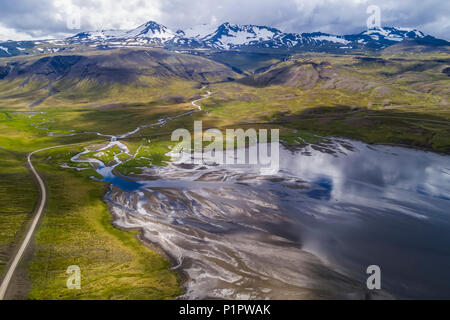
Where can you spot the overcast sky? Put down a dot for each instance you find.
(31, 19)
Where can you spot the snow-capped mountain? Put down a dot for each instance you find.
(197, 32)
(96, 36)
(232, 36)
(379, 38)
(229, 36)
(192, 37)
(393, 34)
(319, 38)
(226, 36)
(148, 33)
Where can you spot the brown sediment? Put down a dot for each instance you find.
(256, 254)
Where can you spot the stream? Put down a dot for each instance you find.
(308, 232)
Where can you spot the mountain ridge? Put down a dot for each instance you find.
(229, 36)
(226, 36)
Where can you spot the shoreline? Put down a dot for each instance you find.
(181, 274)
(154, 246)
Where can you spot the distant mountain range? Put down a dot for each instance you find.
(227, 36)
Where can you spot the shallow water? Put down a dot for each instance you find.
(311, 231)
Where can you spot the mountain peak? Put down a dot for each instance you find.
(229, 36)
(197, 32)
(150, 32)
(153, 25)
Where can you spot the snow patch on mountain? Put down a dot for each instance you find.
(97, 36)
(228, 36)
(393, 34)
(331, 38)
(5, 49)
(150, 31)
(106, 34)
(197, 32)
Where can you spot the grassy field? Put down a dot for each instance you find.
(147, 153)
(18, 195)
(76, 228)
(376, 100)
(389, 98)
(382, 99)
(248, 63)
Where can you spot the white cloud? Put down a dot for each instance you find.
(11, 34)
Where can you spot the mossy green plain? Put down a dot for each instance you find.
(401, 100)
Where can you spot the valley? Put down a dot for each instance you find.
(141, 227)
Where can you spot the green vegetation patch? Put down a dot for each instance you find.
(77, 230)
(18, 194)
(147, 154)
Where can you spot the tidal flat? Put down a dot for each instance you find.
(308, 232)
